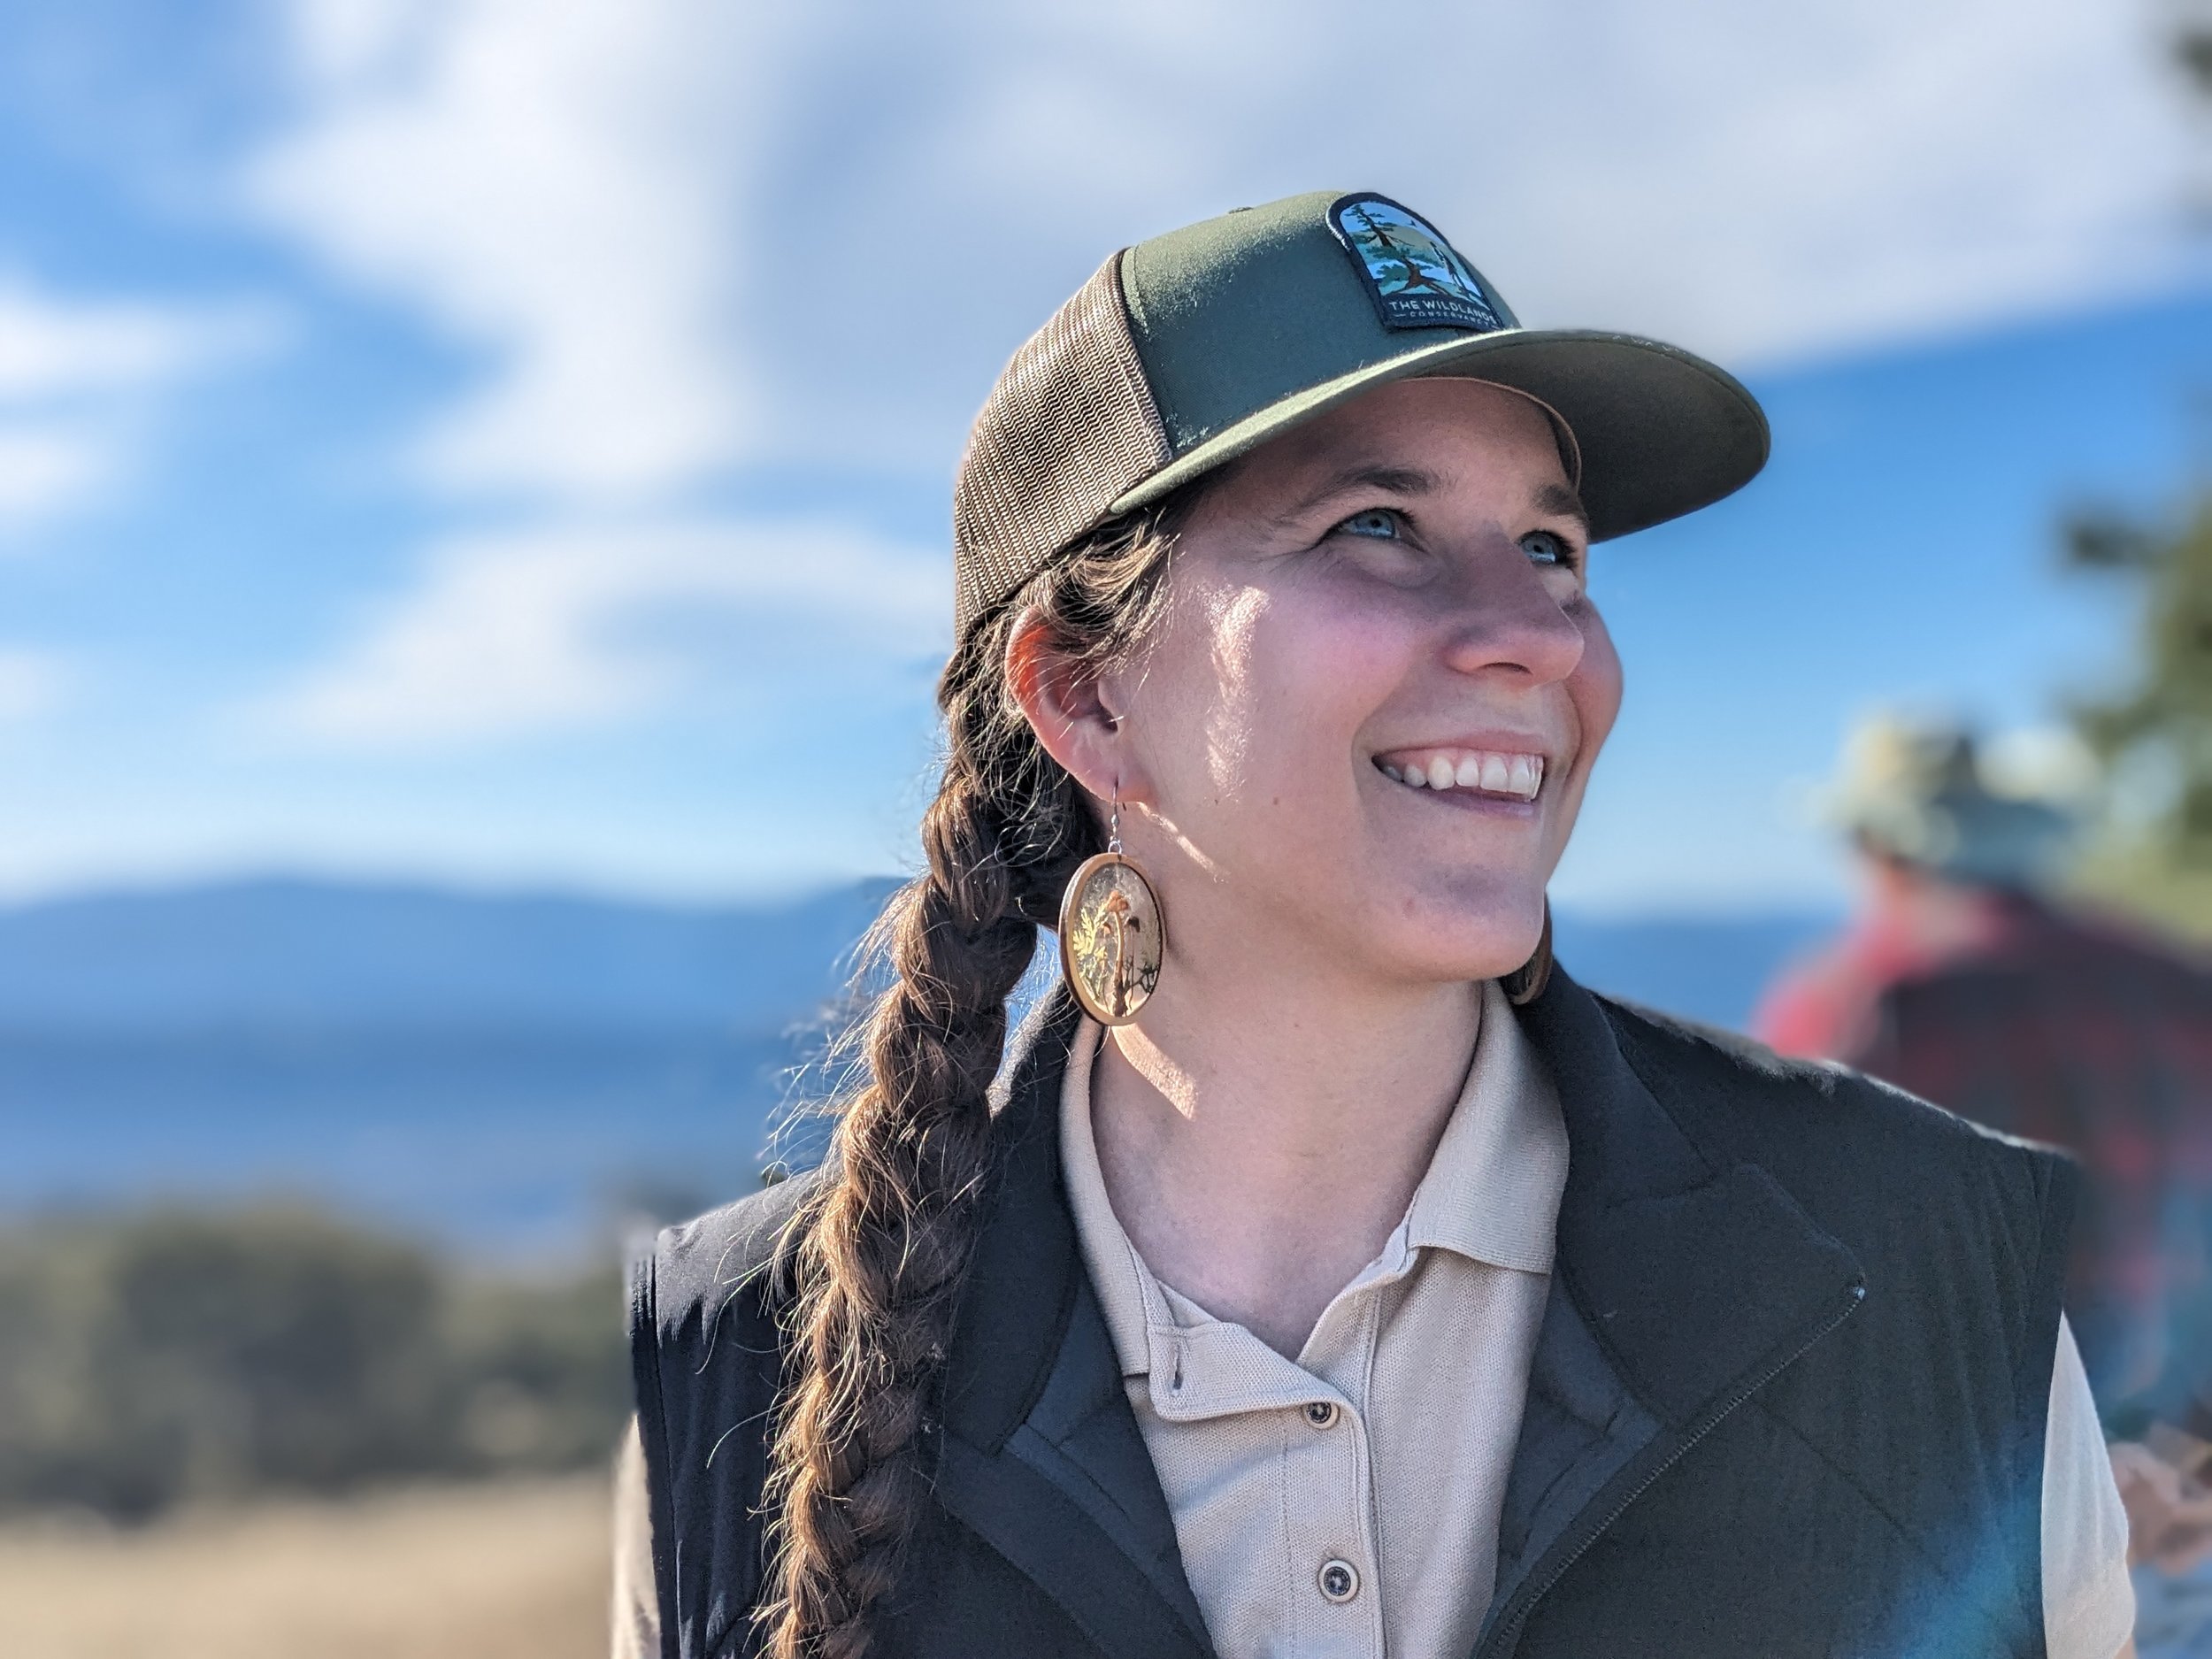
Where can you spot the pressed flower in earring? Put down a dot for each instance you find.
(1113, 936)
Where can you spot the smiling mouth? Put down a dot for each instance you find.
(1501, 773)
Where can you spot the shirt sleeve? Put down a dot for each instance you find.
(2088, 1602)
(637, 1608)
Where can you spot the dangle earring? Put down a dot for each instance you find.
(1112, 935)
(1526, 982)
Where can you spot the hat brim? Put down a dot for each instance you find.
(1662, 432)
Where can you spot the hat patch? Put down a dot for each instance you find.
(1415, 276)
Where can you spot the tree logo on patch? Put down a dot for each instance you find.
(1415, 276)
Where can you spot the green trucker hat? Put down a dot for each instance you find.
(1186, 351)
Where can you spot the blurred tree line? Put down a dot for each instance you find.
(152, 1358)
(2153, 733)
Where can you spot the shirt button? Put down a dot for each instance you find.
(1339, 1580)
(1321, 1413)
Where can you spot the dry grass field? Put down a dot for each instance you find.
(463, 1573)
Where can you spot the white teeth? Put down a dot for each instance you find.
(1493, 772)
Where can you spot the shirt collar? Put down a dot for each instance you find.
(1128, 1296)
(1491, 1192)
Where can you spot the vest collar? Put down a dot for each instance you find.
(1021, 1284)
(1690, 1263)
(1689, 1278)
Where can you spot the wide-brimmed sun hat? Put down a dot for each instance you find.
(1921, 790)
(1185, 351)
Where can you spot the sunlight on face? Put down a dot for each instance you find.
(1364, 725)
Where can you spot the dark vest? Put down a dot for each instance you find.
(1788, 1397)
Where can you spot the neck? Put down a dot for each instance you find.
(1937, 916)
(1261, 1133)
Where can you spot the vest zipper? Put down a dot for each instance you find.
(1507, 1633)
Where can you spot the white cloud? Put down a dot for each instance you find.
(32, 684)
(553, 183)
(46, 467)
(75, 376)
(52, 348)
(514, 634)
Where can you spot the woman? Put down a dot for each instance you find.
(1322, 1272)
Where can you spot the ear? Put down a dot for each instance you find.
(1070, 713)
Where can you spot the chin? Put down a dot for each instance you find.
(1478, 935)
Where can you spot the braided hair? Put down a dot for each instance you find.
(878, 1253)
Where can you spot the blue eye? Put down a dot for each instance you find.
(1381, 523)
(1546, 548)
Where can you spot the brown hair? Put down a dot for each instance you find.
(880, 1251)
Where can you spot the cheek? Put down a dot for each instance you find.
(1594, 688)
(1189, 698)
(1256, 690)
(1311, 675)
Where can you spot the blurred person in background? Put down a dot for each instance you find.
(1967, 981)
(1323, 1271)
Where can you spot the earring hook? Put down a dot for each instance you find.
(1113, 820)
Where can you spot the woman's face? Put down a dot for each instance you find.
(1365, 722)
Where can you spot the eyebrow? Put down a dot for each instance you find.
(1396, 480)
(1559, 499)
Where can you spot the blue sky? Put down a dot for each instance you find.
(510, 443)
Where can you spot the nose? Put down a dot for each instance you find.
(1509, 620)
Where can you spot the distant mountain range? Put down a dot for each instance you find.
(323, 956)
(501, 1071)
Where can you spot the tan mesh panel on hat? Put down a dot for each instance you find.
(1068, 427)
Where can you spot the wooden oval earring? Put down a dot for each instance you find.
(1113, 935)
